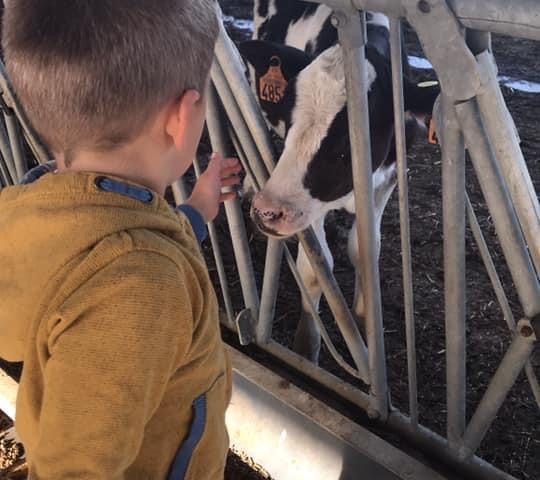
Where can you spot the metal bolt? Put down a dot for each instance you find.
(526, 331)
(424, 6)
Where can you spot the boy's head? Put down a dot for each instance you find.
(91, 74)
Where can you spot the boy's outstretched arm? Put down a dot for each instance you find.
(112, 349)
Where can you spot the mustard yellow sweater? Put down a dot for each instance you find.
(106, 299)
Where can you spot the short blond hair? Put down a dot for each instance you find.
(90, 74)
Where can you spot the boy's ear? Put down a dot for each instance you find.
(275, 67)
(182, 112)
(261, 55)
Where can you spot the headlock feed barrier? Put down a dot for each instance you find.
(470, 115)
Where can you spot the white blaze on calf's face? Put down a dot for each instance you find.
(320, 96)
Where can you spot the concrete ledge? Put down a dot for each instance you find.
(294, 436)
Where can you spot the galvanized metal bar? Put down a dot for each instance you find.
(316, 317)
(218, 259)
(5, 176)
(501, 131)
(274, 255)
(454, 219)
(513, 362)
(233, 211)
(15, 143)
(38, 149)
(499, 292)
(352, 37)
(518, 19)
(272, 267)
(233, 69)
(180, 192)
(180, 196)
(238, 123)
(420, 437)
(330, 289)
(338, 305)
(403, 186)
(500, 207)
(7, 156)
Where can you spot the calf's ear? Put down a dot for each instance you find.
(262, 55)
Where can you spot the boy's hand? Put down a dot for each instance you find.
(207, 193)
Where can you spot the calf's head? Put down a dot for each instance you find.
(314, 172)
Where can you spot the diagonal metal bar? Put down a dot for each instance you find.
(500, 207)
(499, 292)
(513, 362)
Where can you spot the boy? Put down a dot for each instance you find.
(105, 296)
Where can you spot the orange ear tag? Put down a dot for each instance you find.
(272, 84)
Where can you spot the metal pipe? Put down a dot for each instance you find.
(403, 185)
(179, 191)
(501, 131)
(335, 299)
(15, 143)
(233, 69)
(5, 150)
(316, 317)
(233, 211)
(499, 292)
(500, 207)
(272, 267)
(513, 362)
(337, 303)
(517, 18)
(239, 123)
(352, 37)
(38, 149)
(421, 437)
(453, 191)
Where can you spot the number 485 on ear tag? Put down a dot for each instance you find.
(272, 84)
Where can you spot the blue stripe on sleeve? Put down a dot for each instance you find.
(196, 220)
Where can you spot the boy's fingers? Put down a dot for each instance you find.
(229, 181)
(228, 172)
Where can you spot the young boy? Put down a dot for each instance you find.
(105, 295)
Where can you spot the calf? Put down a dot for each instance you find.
(297, 72)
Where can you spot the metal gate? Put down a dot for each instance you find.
(471, 114)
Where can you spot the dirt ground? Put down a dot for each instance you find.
(513, 442)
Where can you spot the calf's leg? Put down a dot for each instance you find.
(382, 193)
(307, 339)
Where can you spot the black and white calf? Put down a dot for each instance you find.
(296, 43)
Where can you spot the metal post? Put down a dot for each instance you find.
(233, 69)
(272, 266)
(403, 185)
(501, 131)
(15, 143)
(351, 34)
(499, 292)
(216, 129)
(513, 362)
(454, 219)
(500, 207)
(5, 150)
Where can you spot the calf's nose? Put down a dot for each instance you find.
(266, 210)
